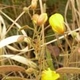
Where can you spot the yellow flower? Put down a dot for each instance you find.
(57, 23)
(49, 75)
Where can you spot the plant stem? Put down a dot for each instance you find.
(13, 22)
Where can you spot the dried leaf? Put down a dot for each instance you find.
(9, 40)
(54, 50)
(21, 59)
(8, 68)
(18, 50)
(73, 70)
(2, 28)
(14, 78)
(12, 39)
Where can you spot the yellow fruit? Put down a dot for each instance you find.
(56, 21)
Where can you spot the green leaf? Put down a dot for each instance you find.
(49, 59)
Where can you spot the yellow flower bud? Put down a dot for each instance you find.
(49, 75)
(30, 70)
(56, 21)
(33, 4)
(42, 19)
(35, 18)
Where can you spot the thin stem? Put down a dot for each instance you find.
(13, 22)
(41, 7)
(42, 64)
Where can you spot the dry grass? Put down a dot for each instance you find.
(31, 50)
